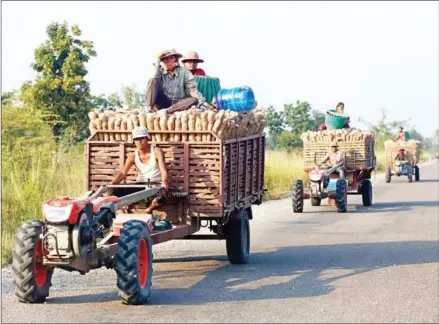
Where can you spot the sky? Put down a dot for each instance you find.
(367, 54)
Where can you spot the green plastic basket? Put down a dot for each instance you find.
(335, 120)
(208, 86)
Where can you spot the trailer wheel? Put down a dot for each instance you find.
(417, 175)
(341, 196)
(32, 280)
(366, 192)
(388, 174)
(297, 193)
(238, 238)
(134, 263)
(315, 201)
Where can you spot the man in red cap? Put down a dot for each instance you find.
(191, 60)
(173, 87)
(401, 155)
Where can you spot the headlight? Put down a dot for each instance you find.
(55, 214)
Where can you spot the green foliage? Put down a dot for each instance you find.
(297, 118)
(133, 98)
(60, 90)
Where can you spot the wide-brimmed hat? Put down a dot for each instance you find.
(401, 150)
(191, 56)
(140, 132)
(334, 144)
(170, 52)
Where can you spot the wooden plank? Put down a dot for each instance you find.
(203, 184)
(204, 201)
(110, 148)
(203, 191)
(87, 165)
(103, 171)
(186, 167)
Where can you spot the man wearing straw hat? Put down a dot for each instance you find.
(150, 164)
(336, 159)
(191, 60)
(173, 87)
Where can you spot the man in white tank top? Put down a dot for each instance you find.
(150, 164)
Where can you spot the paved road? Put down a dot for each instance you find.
(375, 264)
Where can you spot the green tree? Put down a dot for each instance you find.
(317, 118)
(275, 125)
(133, 97)
(60, 90)
(288, 140)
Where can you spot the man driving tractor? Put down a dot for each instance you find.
(150, 164)
(401, 156)
(190, 61)
(173, 87)
(336, 159)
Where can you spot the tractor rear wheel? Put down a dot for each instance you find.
(366, 192)
(134, 263)
(297, 193)
(32, 280)
(388, 174)
(341, 196)
(238, 237)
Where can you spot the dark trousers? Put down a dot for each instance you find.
(156, 96)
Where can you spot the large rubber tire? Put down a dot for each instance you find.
(238, 237)
(366, 192)
(134, 263)
(388, 174)
(31, 279)
(297, 196)
(417, 173)
(315, 201)
(341, 196)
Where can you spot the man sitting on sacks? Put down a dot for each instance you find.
(150, 164)
(173, 87)
(340, 109)
(190, 61)
(336, 159)
(400, 135)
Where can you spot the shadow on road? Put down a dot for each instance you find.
(289, 272)
(302, 271)
(392, 207)
(428, 180)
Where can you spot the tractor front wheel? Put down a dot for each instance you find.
(134, 263)
(32, 280)
(316, 201)
(341, 196)
(297, 193)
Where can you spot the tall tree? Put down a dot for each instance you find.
(60, 89)
(275, 125)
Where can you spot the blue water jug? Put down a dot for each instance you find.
(238, 99)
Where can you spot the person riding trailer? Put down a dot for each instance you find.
(336, 159)
(400, 135)
(190, 61)
(150, 164)
(173, 87)
(340, 109)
